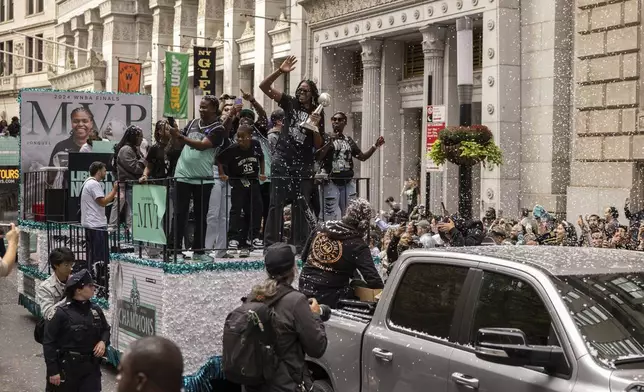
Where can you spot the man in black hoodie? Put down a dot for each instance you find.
(332, 254)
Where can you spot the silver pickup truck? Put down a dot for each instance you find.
(499, 318)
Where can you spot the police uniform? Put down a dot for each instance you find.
(70, 338)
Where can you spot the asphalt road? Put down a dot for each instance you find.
(22, 367)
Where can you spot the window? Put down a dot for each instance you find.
(414, 62)
(6, 10)
(358, 70)
(507, 302)
(35, 6)
(477, 47)
(34, 50)
(8, 59)
(426, 299)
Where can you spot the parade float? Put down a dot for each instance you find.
(184, 301)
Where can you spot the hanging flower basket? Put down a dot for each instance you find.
(466, 146)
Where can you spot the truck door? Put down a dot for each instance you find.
(408, 344)
(510, 300)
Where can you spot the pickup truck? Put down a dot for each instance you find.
(500, 318)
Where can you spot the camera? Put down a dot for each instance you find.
(325, 313)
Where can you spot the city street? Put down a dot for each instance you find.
(22, 367)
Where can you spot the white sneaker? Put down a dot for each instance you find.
(258, 244)
(233, 244)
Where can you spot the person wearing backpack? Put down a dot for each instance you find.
(267, 338)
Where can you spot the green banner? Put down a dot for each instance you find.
(148, 208)
(176, 85)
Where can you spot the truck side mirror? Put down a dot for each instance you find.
(508, 346)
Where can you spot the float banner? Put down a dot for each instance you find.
(129, 77)
(78, 172)
(55, 123)
(9, 176)
(204, 69)
(176, 85)
(29, 286)
(138, 303)
(148, 208)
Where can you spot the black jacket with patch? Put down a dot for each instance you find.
(332, 254)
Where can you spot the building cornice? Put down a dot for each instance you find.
(94, 70)
(324, 13)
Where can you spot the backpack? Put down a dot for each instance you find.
(249, 356)
(39, 331)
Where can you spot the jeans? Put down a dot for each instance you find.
(246, 200)
(297, 192)
(98, 251)
(117, 207)
(217, 219)
(265, 190)
(335, 199)
(199, 194)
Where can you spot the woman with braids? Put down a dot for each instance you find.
(334, 252)
(82, 125)
(292, 166)
(129, 165)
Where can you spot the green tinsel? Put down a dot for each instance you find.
(33, 272)
(30, 305)
(196, 267)
(35, 225)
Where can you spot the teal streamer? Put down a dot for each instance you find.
(33, 272)
(35, 225)
(196, 267)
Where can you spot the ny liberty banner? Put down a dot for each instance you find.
(55, 123)
(78, 172)
(129, 77)
(148, 208)
(204, 70)
(176, 85)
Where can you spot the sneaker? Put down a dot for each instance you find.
(258, 244)
(244, 252)
(233, 244)
(227, 256)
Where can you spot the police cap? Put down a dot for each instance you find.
(79, 280)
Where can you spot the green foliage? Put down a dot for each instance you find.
(474, 142)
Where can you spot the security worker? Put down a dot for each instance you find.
(76, 338)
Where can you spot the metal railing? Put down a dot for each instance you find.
(39, 187)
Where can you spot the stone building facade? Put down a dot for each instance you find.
(557, 81)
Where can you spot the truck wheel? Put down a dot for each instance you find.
(322, 386)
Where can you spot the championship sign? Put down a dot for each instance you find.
(55, 123)
(204, 69)
(148, 208)
(176, 85)
(139, 291)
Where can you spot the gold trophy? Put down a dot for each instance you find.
(324, 100)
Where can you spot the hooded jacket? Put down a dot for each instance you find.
(332, 254)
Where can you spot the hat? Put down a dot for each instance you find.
(78, 280)
(279, 258)
(247, 113)
(423, 223)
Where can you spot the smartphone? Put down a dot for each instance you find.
(172, 122)
(239, 101)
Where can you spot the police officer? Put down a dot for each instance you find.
(76, 338)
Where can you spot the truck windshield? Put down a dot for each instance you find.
(609, 312)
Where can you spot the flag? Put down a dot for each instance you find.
(129, 77)
(204, 69)
(176, 85)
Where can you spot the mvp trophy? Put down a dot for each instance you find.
(324, 100)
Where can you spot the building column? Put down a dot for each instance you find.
(64, 36)
(371, 62)
(210, 19)
(234, 26)
(245, 81)
(434, 62)
(162, 26)
(299, 44)
(119, 40)
(94, 30)
(79, 29)
(185, 17)
(263, 45)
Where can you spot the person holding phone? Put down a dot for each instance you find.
(202, 138)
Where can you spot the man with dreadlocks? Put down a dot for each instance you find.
(293, 159)
(334, 252)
